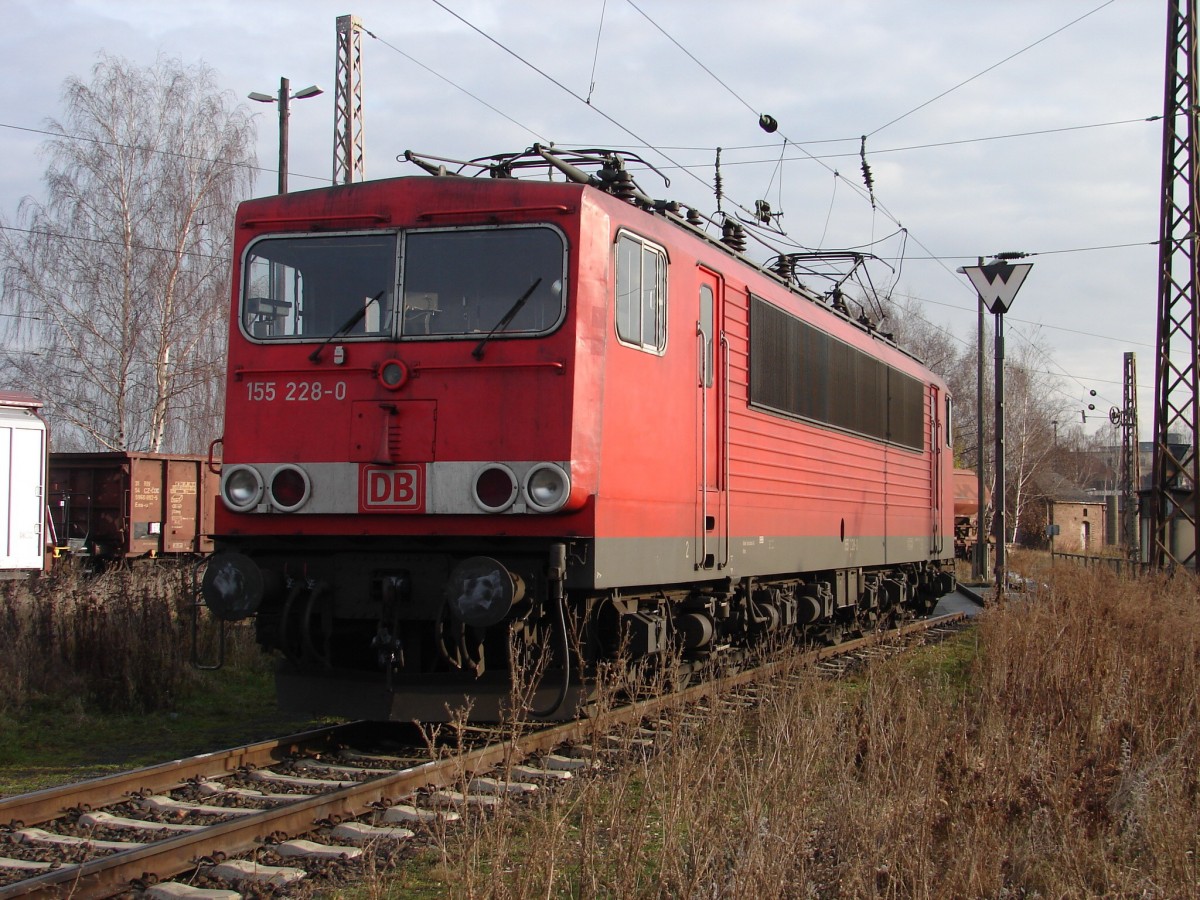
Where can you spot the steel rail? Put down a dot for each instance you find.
(42, 806)
(110, 875)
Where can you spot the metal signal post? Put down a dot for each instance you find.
(1127, 419)
(997, 284)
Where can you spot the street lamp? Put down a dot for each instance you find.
(284, 99)
(997, 284)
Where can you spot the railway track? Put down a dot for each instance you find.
(132, 831)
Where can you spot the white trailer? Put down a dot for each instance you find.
(23, 485)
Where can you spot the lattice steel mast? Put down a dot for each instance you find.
(348, 160)
(1176, 387)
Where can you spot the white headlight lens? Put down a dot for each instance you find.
(547, 487)
(242, 488)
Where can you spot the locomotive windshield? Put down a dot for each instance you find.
(455, 283)
(311, 287)
(467, 282)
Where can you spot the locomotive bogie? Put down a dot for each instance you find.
(519, 423)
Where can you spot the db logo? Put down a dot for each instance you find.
(393, 489)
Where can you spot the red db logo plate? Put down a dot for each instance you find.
(397, 489)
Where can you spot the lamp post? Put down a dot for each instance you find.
(284, 100)
(997, 284)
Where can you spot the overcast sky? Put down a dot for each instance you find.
(1047, 151)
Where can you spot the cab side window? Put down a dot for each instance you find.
(641, 294)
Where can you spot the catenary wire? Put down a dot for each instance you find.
(596, 53)
(454, 85)
(872, 197)
(856, 140)
(155, 150)
(990, 68)
(693, 57)
(572, 93)
(110, 243)
(837, 175)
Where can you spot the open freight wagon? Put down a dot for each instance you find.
(127, 505)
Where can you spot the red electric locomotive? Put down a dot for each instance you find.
(470, 418)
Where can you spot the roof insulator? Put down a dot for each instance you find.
(622, 185)
(733, 235)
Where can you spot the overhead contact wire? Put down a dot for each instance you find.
(693, 58)
(452, 84)
(596, 53)
(908, 235)
(990, 68)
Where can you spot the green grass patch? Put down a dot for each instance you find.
(948, 663)
(53, 741)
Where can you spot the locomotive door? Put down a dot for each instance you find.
(712, 508)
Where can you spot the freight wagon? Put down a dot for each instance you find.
(966, 512)
(22, 498)
(122, 505)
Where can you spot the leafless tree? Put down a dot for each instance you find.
(907, 319)
(116, 287)
(1032, 405)
(947, 355)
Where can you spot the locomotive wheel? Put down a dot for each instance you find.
(883, 620)
(923, 604)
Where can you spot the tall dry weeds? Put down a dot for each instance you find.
(118, 641)
(1059, 761)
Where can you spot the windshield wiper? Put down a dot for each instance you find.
(508, 317)
(315, 356)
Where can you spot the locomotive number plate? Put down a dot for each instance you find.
(394, 489)
(295, 391)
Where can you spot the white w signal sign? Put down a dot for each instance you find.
(997, 283)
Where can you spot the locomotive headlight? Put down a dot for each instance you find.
(393, 374)
(547, 487)
(495, 488)
(241, 488)
(290, 488)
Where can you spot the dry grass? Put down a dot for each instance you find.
(1050, 752)
(115, 642)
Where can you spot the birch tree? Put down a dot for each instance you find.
(1033, 407)
(115, 288)
(945, 354)
(935, 345)
(1029, 411)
